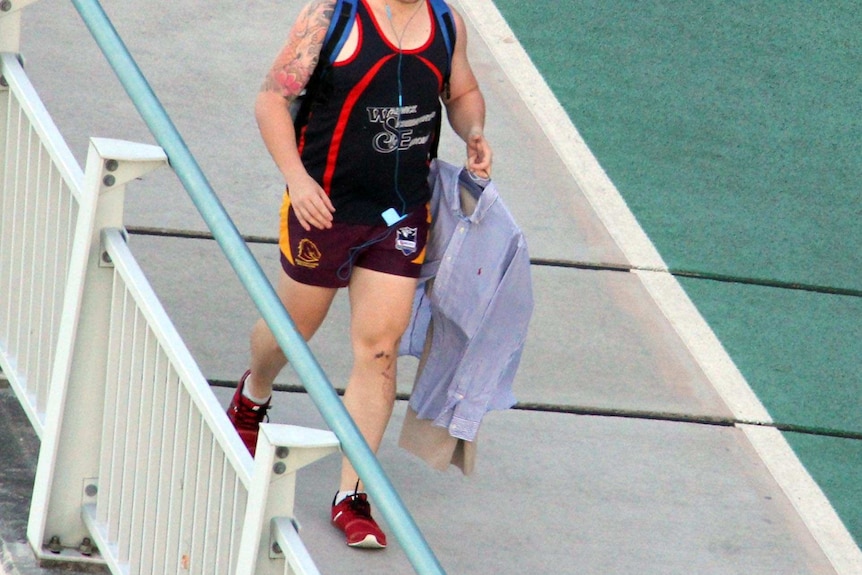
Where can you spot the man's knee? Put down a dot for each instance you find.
(264, 344)
(378, 346)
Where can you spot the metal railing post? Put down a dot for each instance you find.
(281, 451)
(10, 24)
(69, 455)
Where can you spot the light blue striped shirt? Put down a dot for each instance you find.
(480, 305)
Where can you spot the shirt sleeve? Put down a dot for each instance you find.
(413, 340)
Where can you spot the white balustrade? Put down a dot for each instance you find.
(139, 467)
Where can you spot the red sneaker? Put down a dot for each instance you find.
(353, 516)
(246, 415)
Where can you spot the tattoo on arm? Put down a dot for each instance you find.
(296, 62)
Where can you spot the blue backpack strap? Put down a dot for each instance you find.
(443, 14)
(446, 23)
(444, 19)
(343, 17)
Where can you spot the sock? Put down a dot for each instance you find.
(342, 495)
(247, 395)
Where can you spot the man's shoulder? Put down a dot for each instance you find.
(320, 9)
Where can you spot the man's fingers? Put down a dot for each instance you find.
(479, 156)
(318, 213)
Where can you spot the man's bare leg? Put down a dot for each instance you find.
(307, 307)
(380, 305)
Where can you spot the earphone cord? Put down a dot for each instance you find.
(399, 37)
(344, 269)
(398, 140)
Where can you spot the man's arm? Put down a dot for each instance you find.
(285, 81)
(465, 106)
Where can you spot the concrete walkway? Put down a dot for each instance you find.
(626, 454)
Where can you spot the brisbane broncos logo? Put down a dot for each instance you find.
(307, 254)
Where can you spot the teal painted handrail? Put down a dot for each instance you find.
(256, 283)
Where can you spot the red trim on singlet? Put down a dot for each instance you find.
(434, 69)
(393, 46)
(343, 117)
(302, 139)
(344, 62)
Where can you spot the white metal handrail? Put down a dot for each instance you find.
(174, 476)
(174, 473)
(39, 211)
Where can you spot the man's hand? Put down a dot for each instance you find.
(310, 203)
(479, 155)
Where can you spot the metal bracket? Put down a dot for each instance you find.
(105, 258)
(275, 550)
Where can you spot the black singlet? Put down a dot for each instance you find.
(368, 142)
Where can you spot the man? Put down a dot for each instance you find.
(355, 212)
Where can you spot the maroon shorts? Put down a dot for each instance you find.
(326, 257)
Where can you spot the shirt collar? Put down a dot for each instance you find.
(455, 179)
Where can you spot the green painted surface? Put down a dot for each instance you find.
(834, 464)
(800, 352)
(733, 131)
